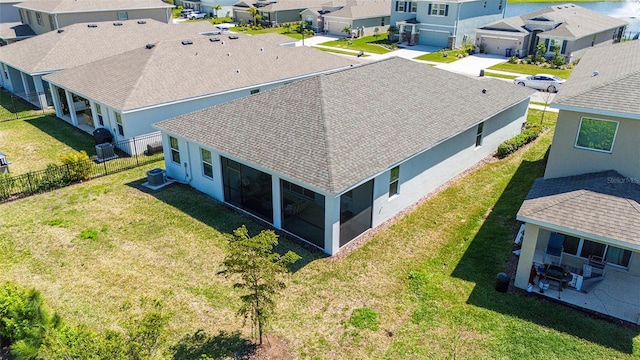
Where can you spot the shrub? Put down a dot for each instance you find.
(242, 23)
(78, 164)
(510, 146)
(513, 60)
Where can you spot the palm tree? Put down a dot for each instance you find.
(216, 8)
(253, 12)
(347, 30)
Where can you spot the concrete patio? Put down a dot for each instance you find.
(617, 295)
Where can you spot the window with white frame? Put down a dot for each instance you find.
(584, 248)
(596, 134)
(400, 6)
(175, 149)
(414, 6)
(99, 112)
(122, 15)
(500, 5)
(394, 181)
(439, 9)
(207, 164)
(5, 71)
(119, 123)
(479, 134)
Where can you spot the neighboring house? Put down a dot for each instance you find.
(25, 62)
(589, 197)
(571, 27)
(276, 12)
(362, 17)
(326, 159)
(48, 15)
(128, 92)
(11, 29)
(208, 6)
(446, 23)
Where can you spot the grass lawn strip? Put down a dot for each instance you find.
(529, 69)
(438, 56)
(366, 44)
(429, 276)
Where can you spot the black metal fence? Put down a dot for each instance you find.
(13, 107)
(127, 154)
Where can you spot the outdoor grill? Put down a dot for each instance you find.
(102, 135)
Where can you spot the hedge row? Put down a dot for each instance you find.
(510, 146)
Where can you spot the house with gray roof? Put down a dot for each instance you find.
(326, 160)
(11, 29)
(445, 23)
(362, 17)
(48, 15)
(276, 11)
(588, 202)
(25, 62)
(570, 27)
(128, 92)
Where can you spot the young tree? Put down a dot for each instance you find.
(216, 8)
(347, 30)
(258, 272)
(253, 11)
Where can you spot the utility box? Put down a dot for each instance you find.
(4, 164)
(156, 177)
(105, 151)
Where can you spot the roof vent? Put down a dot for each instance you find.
(150, 46)
(238, 71)
(233, 37)
(92, 25)
(60, 31)
(228, 54)
(117, 24)
(214, 39)
(141, 22)
(484, 91)
(187, 42)
(222, 43)
(595, 73)
(261, 49)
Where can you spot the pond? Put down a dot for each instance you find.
(625, 10)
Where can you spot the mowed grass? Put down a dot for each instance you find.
(365, 43)
(31, 144)
(429, 277)
(439, 56)
(529, 69)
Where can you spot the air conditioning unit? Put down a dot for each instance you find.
(105, 151)
(156, 177)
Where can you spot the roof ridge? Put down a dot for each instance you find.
(140, 74)
(578, 193)
(600, 86)
(325, 130)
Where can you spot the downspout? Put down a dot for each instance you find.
(187, 171)
(55, 16)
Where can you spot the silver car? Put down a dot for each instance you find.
(543, 82)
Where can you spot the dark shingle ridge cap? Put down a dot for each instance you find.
(325, 128)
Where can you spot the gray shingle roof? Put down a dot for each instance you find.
(334, 130)
(294, 5)
(614, 89)
(363, 10)
(171, 71)
(603, 204)
(79, 44)
(72, 6)
(577, 22)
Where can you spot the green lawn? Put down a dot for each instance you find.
(439, 56)
(545, 1)
(498, 75)
(366, 44)
(276, 30)
(336, 51)
(430, 276)
(34, 143)
(529, 69)
(15, 108)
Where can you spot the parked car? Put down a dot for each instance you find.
(185, 12)
(197, 15)
(544, 82)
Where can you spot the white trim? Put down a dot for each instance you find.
(612, 113)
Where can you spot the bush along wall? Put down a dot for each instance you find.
(510, 146)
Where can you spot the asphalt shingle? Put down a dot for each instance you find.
(334, 130)
(605, 204)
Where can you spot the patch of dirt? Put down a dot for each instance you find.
(272, 348)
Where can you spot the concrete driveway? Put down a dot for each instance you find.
(472, 64)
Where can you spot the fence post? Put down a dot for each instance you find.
(135, 150)
(104, 162)
(29, 182)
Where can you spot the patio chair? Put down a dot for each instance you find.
(554, 250)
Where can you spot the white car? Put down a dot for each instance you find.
(197, 15)
(544, 82)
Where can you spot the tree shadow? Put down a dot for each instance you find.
(223, 345)
(225, 219)
(490, 250)
(65, 133)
